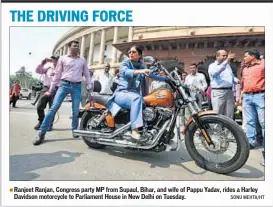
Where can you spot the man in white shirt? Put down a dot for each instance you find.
(106, 80)
(197, 83)
(222, 81)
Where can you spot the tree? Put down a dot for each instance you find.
(25, 78)
(12, 78)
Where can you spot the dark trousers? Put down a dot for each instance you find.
(42, 103)
(38, 95)
(13, 100)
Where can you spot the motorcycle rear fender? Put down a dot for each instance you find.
(200, 114)
(97, 107)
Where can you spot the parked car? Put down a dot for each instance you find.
(25, 93)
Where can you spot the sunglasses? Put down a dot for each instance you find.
(133, 52)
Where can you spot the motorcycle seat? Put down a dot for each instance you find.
(102, 98)
(123, 111)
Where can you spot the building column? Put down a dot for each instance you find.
(60, 51)
(82, 46)
(91, 49)
(130, 34)
(102, 47)
(115, 51)
(65, 50)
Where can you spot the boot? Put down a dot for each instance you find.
(39, 139)
(37, 127)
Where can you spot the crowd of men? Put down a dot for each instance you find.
(224, 94)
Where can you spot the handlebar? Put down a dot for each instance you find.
(173, 76)
(157, 67)
(174, 80)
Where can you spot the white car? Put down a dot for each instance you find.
(25, 93)
(68, 98)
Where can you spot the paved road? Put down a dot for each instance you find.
(64, 158)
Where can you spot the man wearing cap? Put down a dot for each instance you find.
(253, 90)
(47, 69)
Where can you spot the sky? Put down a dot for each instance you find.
(39, 41)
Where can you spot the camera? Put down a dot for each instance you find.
(37, 87)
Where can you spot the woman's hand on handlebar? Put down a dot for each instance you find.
(146, 72)
(142, 71)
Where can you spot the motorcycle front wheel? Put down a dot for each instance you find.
(231, 149)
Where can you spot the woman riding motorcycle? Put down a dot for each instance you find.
(131, 89)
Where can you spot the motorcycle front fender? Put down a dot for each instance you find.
(200, 114)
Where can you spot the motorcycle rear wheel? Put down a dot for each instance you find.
(242, 148)
(83, 126)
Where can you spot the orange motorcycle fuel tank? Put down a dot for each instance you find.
(161, 97)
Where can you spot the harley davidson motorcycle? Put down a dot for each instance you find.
(215, 142)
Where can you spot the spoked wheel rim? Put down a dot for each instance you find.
(227, 146)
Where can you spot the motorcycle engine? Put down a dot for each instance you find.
(166, 113)
(149, 114)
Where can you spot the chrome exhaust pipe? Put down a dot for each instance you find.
(93, 134)
(117, 143)
(107, 138)
(125, 143)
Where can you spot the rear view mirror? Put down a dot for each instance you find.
(148, 61)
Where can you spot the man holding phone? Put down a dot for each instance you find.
(47, 69)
